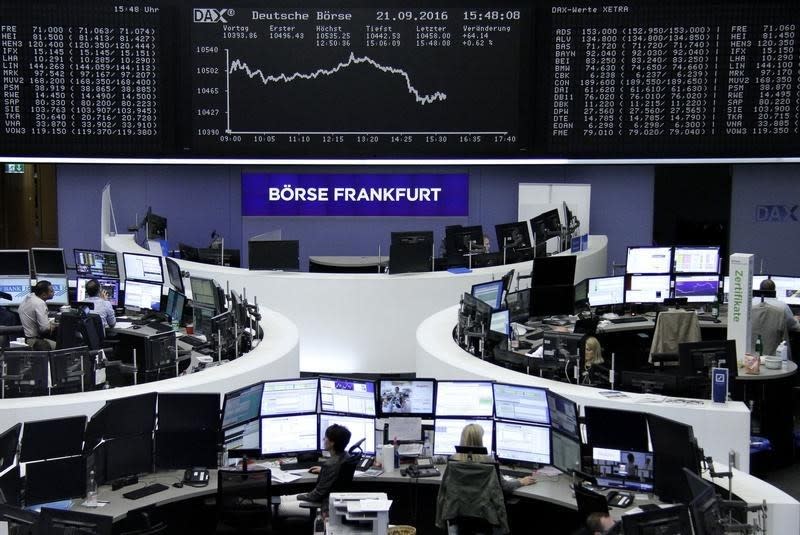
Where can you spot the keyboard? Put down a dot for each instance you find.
(145, 491)
(192, 340)
(629, 319)
(299, 465)
(515, 473)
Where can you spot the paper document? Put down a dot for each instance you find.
(410, 450)
(284, 477)
(372, 472)
(123, 324)
(363, 506)
(405, 429)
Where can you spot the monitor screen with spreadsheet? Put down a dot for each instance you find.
(464, 398)
(289, 397)
(359, 428)
(696, 260)
(142, 267)
(522, 444)
(284, 435)
(447, 434)
(522, 403)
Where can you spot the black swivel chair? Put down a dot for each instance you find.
(20, 521)
(10, 326)
(64, 521)
(69, 331)
(243, 501)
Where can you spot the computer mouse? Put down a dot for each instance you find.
(178, 485)
(136, 327)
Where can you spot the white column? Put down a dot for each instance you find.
(740, 299)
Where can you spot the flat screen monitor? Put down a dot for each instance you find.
(623, 468)
(359, 428)
(284, 435)
(202, 317)
(129, 416)
(15, 263)
(156, 226)
(243, 439)
(546, 225)
(60, 290)
(697, 358)
(48, 262)
(697, 288)
(175, 275)
(522, 444)
(175, 304)
(563, 414)
(413, 237)
(50, 439)
(142, 267)
(90, 264)
(274, 255)
(552, 300)
(649, 260)
(128, 456)
(513, 235)
(410, 258)
(696, 260)
(522, 403)
(58, 522)
(706, 515)
(554, 271)
(349, 396)
(756, 282)
(613, 428)
(17, 287)
(675, 451)
(110, 286)
(462, 240)
(188, 412)
(490, 293)
(9, 443)
(140, 295)
(667, 521)
(447, 433)
(185, 449)
(50, 481)
(566, 452)
(646, 288)
(472, 399)
(204, 292)
(582, 293)
(606, 291)
(500, 322)
(295, 396)
(413, 397)
(787, 289)
(518, 304)
(242, 405)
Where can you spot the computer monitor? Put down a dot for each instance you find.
(606, 291)
(696, 259)
(238, 308)
(667, 521)
(552, 300)
(281, 255)
(500, 322)
(159, 351)
(175, 304)
(128, 416)
(289, 435)
(90, 264)
(185, 449)
(410, 258)
(9, 444)
(623, 468)
(412, 397)
(15, 263)
(142, 267)
(32, 369)
(141, 295)
(675, 452)
(155, 225)
(243, 439)
(562, 347)
(554, 271)
(649, 260)
(59, 479)
(16, 287)
(546, 225)
(348, 396)
(490, 293)
(648, 382)
(646, 288)
(222, 331)
(697, 358)
(110, 286)
(189, 252)
(617, 429)
(697, 288)
(175, 276)
(58, 522)
(53, 438)
(756, 283)
(202, 317)
(581, 294)
(518, 304)
(521, 403)
(706, 516)
(128, 456)
(413, 237)
(563, 414)
(295, 396)
(513, 236)
(522, 444)
(787, 289)
(462, 240)
(447, 433)
(359, 428)
(68, 367)
(188, 412)
(60, 290)
(242, 405)
(204, 292)
(474, 399)
(48, 262)
(566, 452)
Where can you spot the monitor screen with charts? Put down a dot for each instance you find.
(726, 281)
(48, 262)
(523, 444)
(139, 295)
(447, 434)
(349, 396)
(110, 286)
(464, 398)
(142, 267)
(566, 452)
(606, 291)
(359, 428)
(501, 322)
(407, 398)
(646, 288)
(243, 437)
(282, 435)
(787, 289)
(60, 290)
(289, 397)
(490, 293)
(16, 287)
(649, 260)
(697, 288)
(522, 403)
(101, 264)
(15, 263)
(242, 405)
(696, 260)
(626, 469)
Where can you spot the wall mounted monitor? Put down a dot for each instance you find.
(349, 396)
(243, 439)
(175, 274)
(60, 290)
(787, 289)
(204, 292)
(15, 263)
(522, 403)
(490, 293)
(295, 396)
(623, 469)
(618, 429)
(566, 452)
(17, 287)
(554, 271)
(359, 428)
(697, 288)
(413, 397)
(696, 260)
(646, 288)
(283, 255)
(513, 236)
(188, 412)
(474, 399)
(522, 444)
(242, 405)
(673, 519)
(110, 286)
(90, 263)
(284, 435)
(175, 303)
(49, 439)
(563, 414)
(48, 262)
(140, 295)
(649, 260)
(447, 433)
(606, 291)
(143, 267)
(501, 322)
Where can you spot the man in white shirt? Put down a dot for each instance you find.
(33, 315)
(768, 285)
(97, 296)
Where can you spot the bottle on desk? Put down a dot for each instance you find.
(91, 490)
(759, 346)
(319, 523)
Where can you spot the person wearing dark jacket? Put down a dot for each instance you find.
(336, 439)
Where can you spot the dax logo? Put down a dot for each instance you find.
(776, 213)
(212, 15)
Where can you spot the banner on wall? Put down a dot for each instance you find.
(391, 195)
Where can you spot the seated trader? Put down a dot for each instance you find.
(336, 439)
(594, 371)
(98, 296)
(472, 435)
(33, 316)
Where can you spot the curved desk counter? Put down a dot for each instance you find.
(275, 357)
(361, 322)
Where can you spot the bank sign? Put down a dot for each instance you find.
(390, 195)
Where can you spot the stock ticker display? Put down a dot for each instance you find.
(460, 79)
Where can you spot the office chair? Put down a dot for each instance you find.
(69, 331)
(10, 326)
(769, 322)
(243, 501)
(64, 521)
(20, 521)
(471, 499)
(674, 327)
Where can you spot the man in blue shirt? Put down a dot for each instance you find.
(97, 296)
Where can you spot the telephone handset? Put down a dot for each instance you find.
(196, 477)
(422, 468)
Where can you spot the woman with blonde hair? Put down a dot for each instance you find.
(472, 436)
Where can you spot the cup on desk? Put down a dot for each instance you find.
(190, 328)
(21, 340)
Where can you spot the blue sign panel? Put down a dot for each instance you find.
(392, 195)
